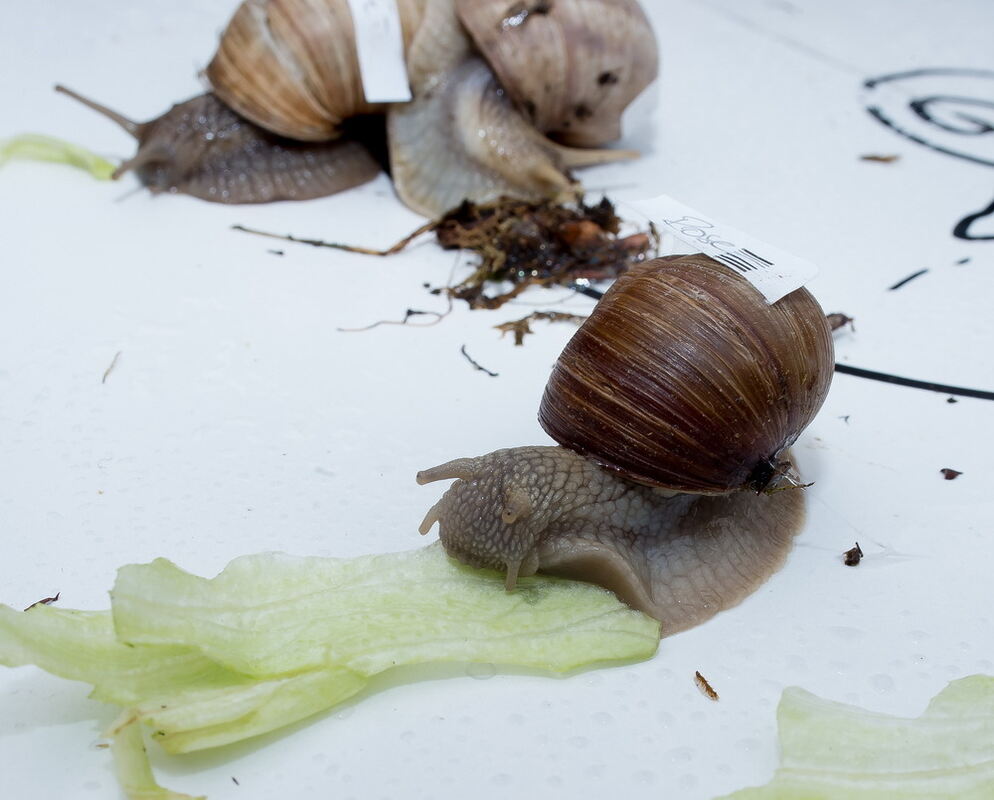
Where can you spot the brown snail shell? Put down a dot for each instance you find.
(571, 67)
(683, 377)
(291, 66)
(202, 148)
(460, 138)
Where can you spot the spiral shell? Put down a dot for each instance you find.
(683, 377)
(571, 67)
(291, 67)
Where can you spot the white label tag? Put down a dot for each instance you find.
(772, 271)
(380, 46)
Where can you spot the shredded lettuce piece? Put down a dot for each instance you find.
(134, 772)
(81, 646)
(198, 720)
(833, 751)
(270, 615)
(274, 639)
(37, 147)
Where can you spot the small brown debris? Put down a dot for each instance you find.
(705, 687)
(853, 555)
(837, 319)
(523, 244)
(880, 159)
(45, 601)
(607, 78)
(951, 400)
(950, 474)
(469, 358)
(113, 363)
(234, 780)
(521, 327)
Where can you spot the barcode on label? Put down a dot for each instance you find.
(379, 43)
(772, 271)
(743, 260)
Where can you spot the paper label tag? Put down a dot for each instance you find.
(380, 46)
(772, 271)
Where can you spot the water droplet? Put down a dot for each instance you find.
(882, 683)
(680, 755)
(847, 634)
(481, 672)
(688, 781)
(749, 745)
(644, 777)
(500, 779)
(578, 741)
(594, 770)
(602, 718)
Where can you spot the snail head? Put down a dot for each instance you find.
(492, 516)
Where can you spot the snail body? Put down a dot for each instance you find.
(681, 558)
(674, 405)
(202, 148)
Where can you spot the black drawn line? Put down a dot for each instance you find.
(910, 278)
(962, 229)
(912, 382)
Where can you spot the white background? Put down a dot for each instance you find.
(239, 419)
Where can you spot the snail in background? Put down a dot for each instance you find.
(674, 405)
(491, 84)
(202, 148)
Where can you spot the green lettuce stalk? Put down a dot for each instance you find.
(37, 147)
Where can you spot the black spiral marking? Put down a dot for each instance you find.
(955, 114)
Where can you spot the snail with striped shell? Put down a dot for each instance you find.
(674, 405)
(507, 99)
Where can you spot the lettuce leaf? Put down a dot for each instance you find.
(270, 615)
(833, 751)
(273, 639)
(37, 147)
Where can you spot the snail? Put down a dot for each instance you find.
(286, 71)
(462, 138)
(202, 148)
(488, 92)
(674, 406)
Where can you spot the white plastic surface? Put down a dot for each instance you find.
(238, 418)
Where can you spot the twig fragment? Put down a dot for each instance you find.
(110, 368)
(521, 327)
(469, 358)
(348, 248)
(411, 312)
(853, 556)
